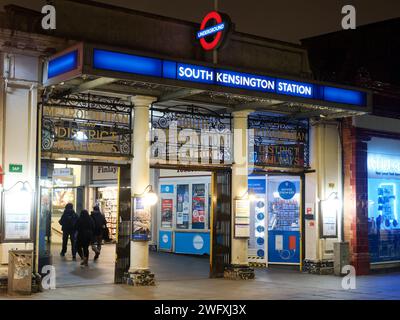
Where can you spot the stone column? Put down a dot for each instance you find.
(140, 179)
(239, 268)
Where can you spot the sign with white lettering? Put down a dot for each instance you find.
(212, 30)
(153, 67)
(383, 166)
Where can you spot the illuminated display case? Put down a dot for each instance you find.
(383, 210)
(184, 214)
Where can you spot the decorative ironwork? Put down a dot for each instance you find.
(191, 134)
(85, 124)
(279, 141)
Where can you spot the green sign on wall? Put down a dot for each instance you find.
(16, 168)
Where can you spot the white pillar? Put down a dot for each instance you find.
(240, 170)
(140, 172)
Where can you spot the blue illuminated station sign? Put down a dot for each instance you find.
(167, 69)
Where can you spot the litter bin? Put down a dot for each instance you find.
(20, 272)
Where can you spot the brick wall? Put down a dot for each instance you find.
(356, 196)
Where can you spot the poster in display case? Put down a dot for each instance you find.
(182, 206)
(242, 218)
(17, 210)
(141, 220)
(166, 213)
(198, 206)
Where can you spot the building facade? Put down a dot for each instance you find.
(242, 146)
(367, 58)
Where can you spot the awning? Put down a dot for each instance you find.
(87, 67)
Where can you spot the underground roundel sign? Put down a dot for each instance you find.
(212, 30)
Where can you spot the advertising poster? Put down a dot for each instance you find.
(182, 206)
(166, 213)
(198, 206)
(62, 196)
(141, 220)
(17, 216)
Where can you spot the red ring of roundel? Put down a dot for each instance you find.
(211, 45)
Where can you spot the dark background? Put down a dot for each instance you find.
(287, 20)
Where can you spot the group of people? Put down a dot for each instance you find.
(83, 230)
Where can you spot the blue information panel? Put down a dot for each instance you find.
(283, 246)
(284, 196)
(192, 242)
(134, 64)
(165, 240)
(167, 188)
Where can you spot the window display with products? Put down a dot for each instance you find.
(107, 199)
(383, 211)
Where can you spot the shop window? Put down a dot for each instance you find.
(198, 206)
(182, 206)
(383, 205)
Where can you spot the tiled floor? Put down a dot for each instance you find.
(183, 277)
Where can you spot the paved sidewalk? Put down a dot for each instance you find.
(183, 277)
(275, 284)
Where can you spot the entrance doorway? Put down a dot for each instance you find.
(192, 214)
(83, 186)
(276, 219)
(193, 220)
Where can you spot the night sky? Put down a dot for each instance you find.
(287, 20)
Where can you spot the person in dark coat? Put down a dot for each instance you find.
(100, 224)
(85, 230)
(67, 222)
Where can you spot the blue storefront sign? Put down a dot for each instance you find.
(257, 186)
(154, 67)
(62, 64)
(167, 188)
(283, 246)
(192, 243)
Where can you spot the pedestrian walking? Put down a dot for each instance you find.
(85, 231)
(100, 225)
(67, 222)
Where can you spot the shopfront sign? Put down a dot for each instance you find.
(167, 188)
(148, 66)
(383, 166)
(280, 155)
(212, 30)
(86, 125)
(278, 141)
(101, 173)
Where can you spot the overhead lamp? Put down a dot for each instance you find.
(150, 197)
(80, 136)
